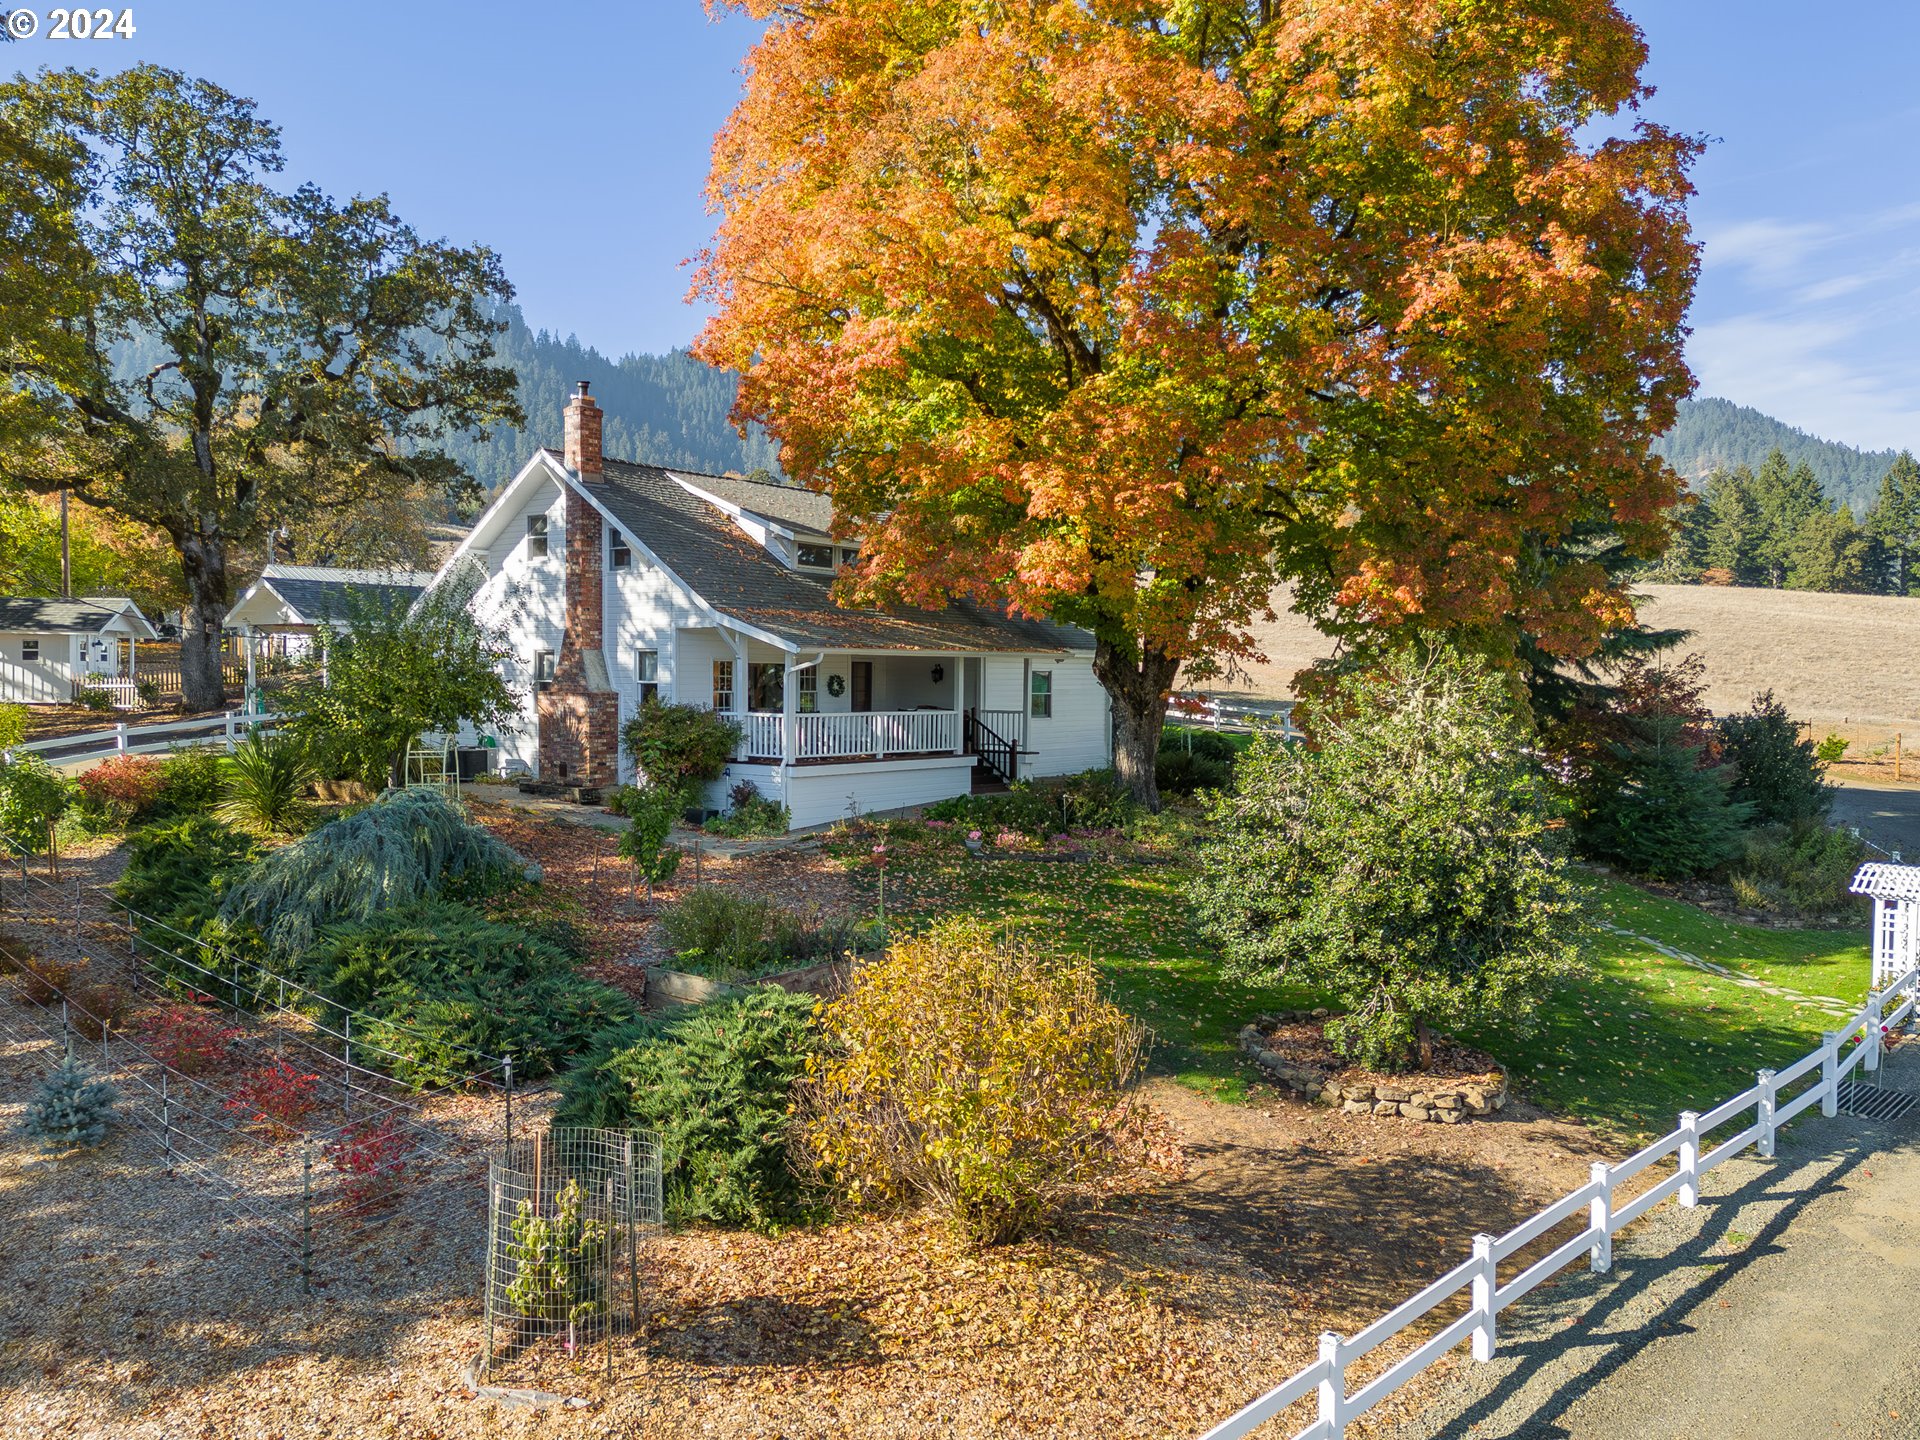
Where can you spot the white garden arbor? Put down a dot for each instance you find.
(1895, 892)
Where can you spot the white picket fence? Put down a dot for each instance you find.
(123, 739)
(1479, 1276)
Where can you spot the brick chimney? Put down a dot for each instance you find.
(583, 437)
(580, 710)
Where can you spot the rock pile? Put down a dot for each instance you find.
(1444, 1100)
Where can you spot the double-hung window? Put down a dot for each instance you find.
(806, 698)
(620, 554)
(543, 667)
(536, 536)
(1041, 695)
(646, 673)
(30, 651)
(723, 686)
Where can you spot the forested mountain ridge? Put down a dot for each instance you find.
(663, 409)
(1713, 434)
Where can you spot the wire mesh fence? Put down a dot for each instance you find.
(568, 1211)
(248, 1083)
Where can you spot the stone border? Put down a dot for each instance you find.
(1409, 1101)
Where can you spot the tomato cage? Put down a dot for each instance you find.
(567, 1212)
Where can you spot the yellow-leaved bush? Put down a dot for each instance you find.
(970, 1071)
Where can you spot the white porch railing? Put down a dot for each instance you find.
(1840, 1051)
(1009, 725)
(855, 735)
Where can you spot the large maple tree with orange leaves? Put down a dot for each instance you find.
(1120, 311)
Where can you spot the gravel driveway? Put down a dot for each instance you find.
(1781, 1309)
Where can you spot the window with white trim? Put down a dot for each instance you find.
(723, 686)
(806, 696)
(1040, 695)
(543, 668)
(536, 536)
(620, 554)
(814, 557)
(646, 673)
(30, 651)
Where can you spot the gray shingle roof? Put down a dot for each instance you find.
(57, 615)
(732, 573)
(796, 509)
(323, 600)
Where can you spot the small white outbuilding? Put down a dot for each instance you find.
(54, 646)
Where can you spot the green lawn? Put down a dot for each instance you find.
(1638, 1038)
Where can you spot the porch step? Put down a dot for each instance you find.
(986, 781)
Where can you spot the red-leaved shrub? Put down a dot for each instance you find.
(123, 788)
(187, 1038)
(276, 1097)
(372, 1158)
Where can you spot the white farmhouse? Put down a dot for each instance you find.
(616, 582)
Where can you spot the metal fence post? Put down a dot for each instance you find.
(1769, 1100)
(66, 1028)
(1689, 1159)
(1829, 1073)
(506, 1066)
(346, 1064)
(1871, 1061)
(1485, 1281)
(306, 1215)
(166, 1122)
(1600, 1217)
(1333, 1388)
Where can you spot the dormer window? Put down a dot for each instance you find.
(620, 554)
(536, 537)
(849, 557)
(813, 556)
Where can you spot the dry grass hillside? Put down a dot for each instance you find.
(1832, 659)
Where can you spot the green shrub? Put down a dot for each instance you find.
(1408, 865)
(1178, 772)
(972, 1072)
(558, 1262)
(643, 844)
(94, 699)
(119, 791)
(727, 936)
(191, 782)
(33, 797)
(680, 747)
(71, 1108)
(407, 846)
(1661, 808)
(715, 1083)
(1832, 750)
(1799, 870)
(264, 782)
(1775, 770)
(750, 813)
(177, 875)
(13, 725)
(448, 986)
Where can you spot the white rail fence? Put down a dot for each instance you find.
(1211, 712)
(123, 739)
(1839, 1053)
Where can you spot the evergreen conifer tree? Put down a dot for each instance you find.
(70, 1109)
(1894, 521)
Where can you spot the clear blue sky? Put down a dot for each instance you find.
(574, 140)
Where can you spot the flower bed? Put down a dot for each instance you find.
(1461, 1084)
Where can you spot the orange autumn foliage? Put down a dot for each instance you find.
(1119, 311)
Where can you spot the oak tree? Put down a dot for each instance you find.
(1118, 311)
(305, 353)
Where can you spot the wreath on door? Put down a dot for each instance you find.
(836, 685)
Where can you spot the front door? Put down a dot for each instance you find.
(862, 685)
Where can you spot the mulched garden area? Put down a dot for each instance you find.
(594, 886)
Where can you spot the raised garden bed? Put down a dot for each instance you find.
(1291, 1047)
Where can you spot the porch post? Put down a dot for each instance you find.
(789, 749)
(959, 705)
(246, 639)
(738, 645)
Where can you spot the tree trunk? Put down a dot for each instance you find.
(202, 681)
(1139, 688)
(1423, 1044)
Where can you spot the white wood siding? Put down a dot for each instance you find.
(47, 681)
(1076, 737)
(525, 597)
(820, 794)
